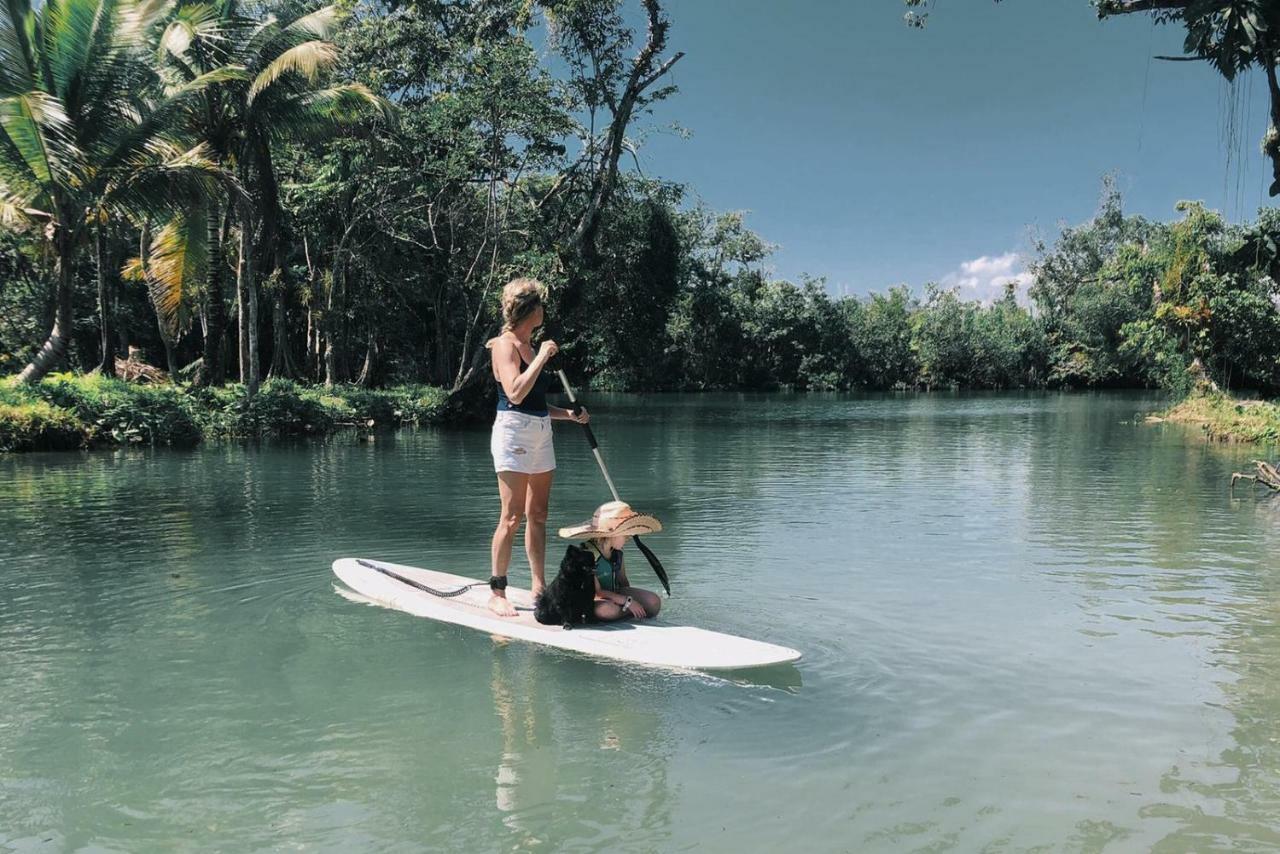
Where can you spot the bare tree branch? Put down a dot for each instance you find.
(643, 75)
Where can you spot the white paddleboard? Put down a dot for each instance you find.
(653, 642)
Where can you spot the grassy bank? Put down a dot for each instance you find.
(71, 411)
(1226, 419)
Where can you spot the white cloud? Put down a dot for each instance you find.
(985, 278)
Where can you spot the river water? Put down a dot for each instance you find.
(1029, 622)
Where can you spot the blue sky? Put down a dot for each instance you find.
(875, 154)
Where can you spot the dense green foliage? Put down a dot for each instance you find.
(68, 411)
(37, 426)
(1128, 302)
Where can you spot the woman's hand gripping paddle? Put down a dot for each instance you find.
(595, 449)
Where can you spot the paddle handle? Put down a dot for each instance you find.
(591, 437)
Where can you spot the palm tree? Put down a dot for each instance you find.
(279, 97)
(83, 136)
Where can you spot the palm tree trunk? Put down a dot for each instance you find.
(212, 372)
(242, 316)
(170, 353)
(281, 359)
(331, 327)
(247, 292)
(55, 347)
(106, 305)
(370, 357)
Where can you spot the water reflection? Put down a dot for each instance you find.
(558, 716)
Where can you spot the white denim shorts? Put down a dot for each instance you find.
(522, 443)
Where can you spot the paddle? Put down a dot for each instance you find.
(595, 449)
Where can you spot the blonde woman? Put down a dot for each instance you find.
(523, 455)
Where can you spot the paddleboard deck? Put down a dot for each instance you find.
(655, 642)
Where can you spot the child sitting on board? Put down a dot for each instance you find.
(604, 534)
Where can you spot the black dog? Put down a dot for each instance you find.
(570, 597)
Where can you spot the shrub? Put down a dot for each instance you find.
(37, 426)
(280, 408)
(68, 411)
(122, 412)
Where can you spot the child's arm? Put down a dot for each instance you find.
(608, 595)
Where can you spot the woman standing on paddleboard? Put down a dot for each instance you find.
(523, 455)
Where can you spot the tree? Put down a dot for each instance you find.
(82, 137)
(592, 37)
(278, 94)
(882, 336)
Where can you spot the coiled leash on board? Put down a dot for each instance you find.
(443, 594)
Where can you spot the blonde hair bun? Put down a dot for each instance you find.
(519, 298)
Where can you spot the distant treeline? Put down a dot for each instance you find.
(684, 301)
(1118, 302)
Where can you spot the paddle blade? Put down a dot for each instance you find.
(656, 564)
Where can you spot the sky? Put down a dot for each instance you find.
(874, 154)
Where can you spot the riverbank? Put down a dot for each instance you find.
(1226, 419)
(68, 411)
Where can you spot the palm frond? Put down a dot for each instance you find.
(11, 215)
(38, 132)
(319, 24)
(174, 267)
(140, 17)
(324, 111)
(190, 22)
(73, 31)
(16, 212)
(163, 178)
(143, 132)
(17, 62)
(260, 35)
(308, 59)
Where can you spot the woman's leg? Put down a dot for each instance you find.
(512, 486)
(535, 527)
(650, 601)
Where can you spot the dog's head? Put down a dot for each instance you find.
(578, 563)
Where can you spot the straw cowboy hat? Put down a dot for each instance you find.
(615, 519)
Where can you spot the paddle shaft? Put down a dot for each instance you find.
(591, 437)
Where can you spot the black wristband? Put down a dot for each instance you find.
(497, 582)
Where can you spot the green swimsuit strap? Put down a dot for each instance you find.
(613, 568)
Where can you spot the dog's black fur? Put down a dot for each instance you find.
(570, 597)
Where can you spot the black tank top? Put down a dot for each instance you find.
(535, 402)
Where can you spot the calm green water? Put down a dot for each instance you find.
(1029, 622)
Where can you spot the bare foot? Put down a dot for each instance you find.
(500, 606)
